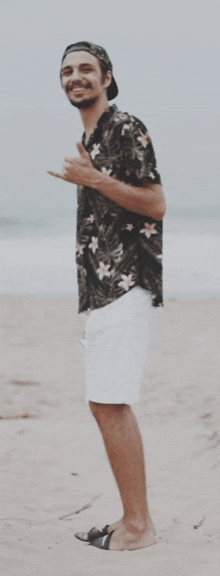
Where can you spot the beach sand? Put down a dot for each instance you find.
(55, 478)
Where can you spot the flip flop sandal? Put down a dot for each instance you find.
(92, 534)
(103, 542)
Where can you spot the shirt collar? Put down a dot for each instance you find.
(105, 117)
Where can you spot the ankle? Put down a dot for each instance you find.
(136, 525)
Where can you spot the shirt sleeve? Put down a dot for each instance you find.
(139, 160)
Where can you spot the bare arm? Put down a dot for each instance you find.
(147, 200)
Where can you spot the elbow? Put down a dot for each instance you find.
(158, 211)
(157, 206)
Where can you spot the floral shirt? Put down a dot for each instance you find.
(117, 249)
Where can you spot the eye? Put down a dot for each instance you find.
(86, 69)
(66, 72)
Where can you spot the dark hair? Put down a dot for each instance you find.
(103, 67)
(104, 62)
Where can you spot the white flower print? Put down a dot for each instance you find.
(94, 244)
(103, 270)
(140, 155)
(108, 245)
(120, 116)
(90, 218)
(144, 139)
(80, 248)
(106, 171)
(117, 253)
(125, 127)
(148, 229)
(95, 150)
(126, 282)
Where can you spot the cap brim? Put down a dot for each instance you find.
(112, 90)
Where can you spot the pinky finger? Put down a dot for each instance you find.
(56, 174)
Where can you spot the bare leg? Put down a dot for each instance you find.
(123, 444)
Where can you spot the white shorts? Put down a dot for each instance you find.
(116, 341)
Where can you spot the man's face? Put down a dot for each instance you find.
(81, 79)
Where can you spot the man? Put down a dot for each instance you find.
(119, 241)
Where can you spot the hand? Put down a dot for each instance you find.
(77, 170)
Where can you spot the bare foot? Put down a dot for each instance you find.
(119, 523)
(132, 537)
(115, 525)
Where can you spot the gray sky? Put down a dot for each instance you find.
(166, 60)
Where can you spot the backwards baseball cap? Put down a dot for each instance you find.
(99, 53)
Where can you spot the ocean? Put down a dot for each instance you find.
(38, 255)
(38, 212)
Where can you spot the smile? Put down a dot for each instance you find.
(78, 89)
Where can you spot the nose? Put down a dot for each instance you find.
(75, 74)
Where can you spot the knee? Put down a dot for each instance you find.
(106, 411)
(94, 408)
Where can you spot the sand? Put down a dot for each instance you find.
(55, 478)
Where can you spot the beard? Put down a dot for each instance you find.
(84, 103)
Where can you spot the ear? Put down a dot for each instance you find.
(61, 80)
(107, 79)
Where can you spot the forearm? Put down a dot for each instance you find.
(141, 200)
(147, 200)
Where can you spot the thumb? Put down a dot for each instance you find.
(82, 150)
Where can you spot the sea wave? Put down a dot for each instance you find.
(45, 266)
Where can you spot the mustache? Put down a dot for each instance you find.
(77, 84)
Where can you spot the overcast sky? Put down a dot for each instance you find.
(165, 55)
